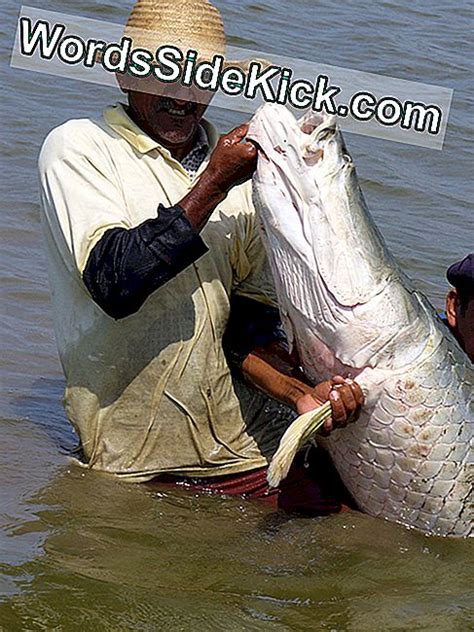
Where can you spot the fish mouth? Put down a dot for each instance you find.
(310, 121)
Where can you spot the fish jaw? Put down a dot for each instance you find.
(328, 202)
(374, 308)
(352, 257)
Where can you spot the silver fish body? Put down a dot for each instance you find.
(348, 308)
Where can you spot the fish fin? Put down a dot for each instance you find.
(302, 430)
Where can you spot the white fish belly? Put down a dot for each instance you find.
(409, 456)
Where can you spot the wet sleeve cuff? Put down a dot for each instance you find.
(173, 239)
(126, 266)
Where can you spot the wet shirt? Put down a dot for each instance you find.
(151, 392)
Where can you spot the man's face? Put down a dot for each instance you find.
(461, 320)
(466, 328)
(170, 120)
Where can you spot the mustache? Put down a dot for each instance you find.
(166, 103)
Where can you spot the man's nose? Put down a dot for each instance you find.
(180, 94)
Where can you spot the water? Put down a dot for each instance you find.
(79, 551)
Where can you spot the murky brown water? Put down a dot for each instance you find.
(79, 551)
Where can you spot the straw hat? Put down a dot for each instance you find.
(186, 24)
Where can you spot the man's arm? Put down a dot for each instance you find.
(232, 162)
(127, 265)
(272, 370)
(256, 350)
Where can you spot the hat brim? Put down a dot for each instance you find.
(240, 64)
(150, 84)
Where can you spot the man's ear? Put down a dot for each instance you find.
(452, 301)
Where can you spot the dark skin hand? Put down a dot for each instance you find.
(346, 399)
(274, 371)
(232, 162)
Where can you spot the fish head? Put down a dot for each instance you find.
(295, 148)
(274, 129)
(322, 139)
(281, 145)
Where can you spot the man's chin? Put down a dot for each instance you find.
(176, 130)
(177, 138)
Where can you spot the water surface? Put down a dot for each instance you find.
(79, 551)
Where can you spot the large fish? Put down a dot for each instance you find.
(349, 309)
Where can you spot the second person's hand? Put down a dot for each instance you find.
(346, 399)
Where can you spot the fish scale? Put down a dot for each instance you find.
(348, 308)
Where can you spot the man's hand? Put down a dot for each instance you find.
(346, 399)
(233, 161)
(272, 369)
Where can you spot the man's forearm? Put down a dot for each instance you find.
(273, 371)
(201, 201)
(126, 266)
(233, 162)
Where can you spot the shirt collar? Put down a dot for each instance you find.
(117, 118)
(194, 159)
(202, 142)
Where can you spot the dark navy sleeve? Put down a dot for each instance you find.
(251, 324)
(127, 265)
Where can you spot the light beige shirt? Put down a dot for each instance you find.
(152, 392)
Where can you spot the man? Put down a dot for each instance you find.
(154, 257)
(460, 303)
